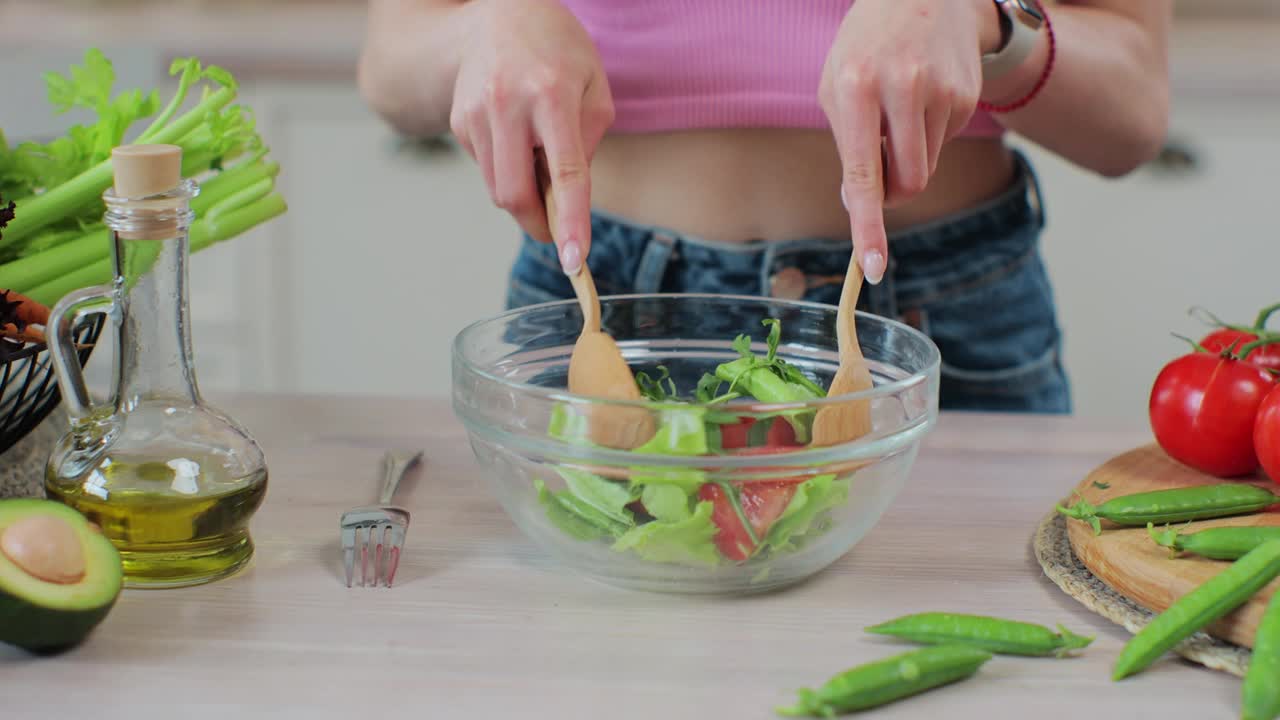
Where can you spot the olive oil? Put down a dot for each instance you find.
(171, 480)
(180, 522)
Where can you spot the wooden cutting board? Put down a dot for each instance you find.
(1128, 559)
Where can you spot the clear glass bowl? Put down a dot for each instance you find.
(721, 521)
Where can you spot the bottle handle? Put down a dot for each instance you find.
(65, 315)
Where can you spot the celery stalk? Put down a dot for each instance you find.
(230, 181)
(230, 224)
(56, 203)
(203, 234)
(221, 194)
(40, 268)
(96, 273)
(244, 196)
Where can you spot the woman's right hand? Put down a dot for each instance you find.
(530, 78)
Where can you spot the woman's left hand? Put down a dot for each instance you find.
(910, 72)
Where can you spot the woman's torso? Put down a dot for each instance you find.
(770, 184)
(719, 132)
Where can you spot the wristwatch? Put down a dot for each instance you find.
(1020, 22)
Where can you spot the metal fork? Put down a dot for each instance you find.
(383, 525)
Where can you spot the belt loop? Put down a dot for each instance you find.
(882, 299)
(1033, 185)
(653, 263)
(767, 259)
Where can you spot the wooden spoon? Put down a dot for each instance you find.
(596, 367)
(846, 421)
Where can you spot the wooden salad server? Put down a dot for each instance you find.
(846, 421)
(596, 367)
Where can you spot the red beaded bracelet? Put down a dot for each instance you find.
(1044, 75)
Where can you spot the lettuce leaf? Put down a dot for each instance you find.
(689, 481)
(568, 426)
(681, 432)
(805, 512)
(687, 542)
(604, 496)
(576, 518)
(667, 503)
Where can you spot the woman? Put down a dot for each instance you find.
(738, 147)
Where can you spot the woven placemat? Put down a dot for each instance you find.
(1053, 551)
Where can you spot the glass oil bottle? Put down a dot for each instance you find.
(172, 482)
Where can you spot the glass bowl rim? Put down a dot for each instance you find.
(558, 395)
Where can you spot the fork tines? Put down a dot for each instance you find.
(381, 543)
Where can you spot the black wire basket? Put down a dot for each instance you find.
(29, 386)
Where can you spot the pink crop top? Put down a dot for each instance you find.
(684, 64)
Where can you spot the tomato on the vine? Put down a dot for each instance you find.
(1202, 411)
(1224, 339)
(1266, 434)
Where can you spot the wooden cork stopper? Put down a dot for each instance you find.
(145, 170)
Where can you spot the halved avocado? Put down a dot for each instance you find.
(48, 615)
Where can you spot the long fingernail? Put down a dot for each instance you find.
(844, 199)
(571, 258)
(873, 267)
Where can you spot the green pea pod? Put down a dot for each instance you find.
(1208, 603)
(887, 680)
(1008, 637)
(1260, 694)
(1177, 505)
(1220, 543)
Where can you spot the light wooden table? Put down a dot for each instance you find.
(483, 625)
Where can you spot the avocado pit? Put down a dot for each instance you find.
(46, 548)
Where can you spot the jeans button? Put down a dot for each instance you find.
(788, 284)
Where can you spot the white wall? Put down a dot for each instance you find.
(1129, 257)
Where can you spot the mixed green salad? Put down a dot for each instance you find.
(687, 516)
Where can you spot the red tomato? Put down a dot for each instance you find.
(1267, 356)
(1202, 411)
(1266, 435)
(762, 504)
(781, 433)
(768, 450)
(736, 435)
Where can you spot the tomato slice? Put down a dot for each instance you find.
(781, 434)
(762, 504)
(732, 537)
(735, 435)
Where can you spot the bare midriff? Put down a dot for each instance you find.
(762, 184)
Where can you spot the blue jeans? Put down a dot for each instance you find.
(974, 282)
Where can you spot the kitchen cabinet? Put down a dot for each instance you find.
(385, 254)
